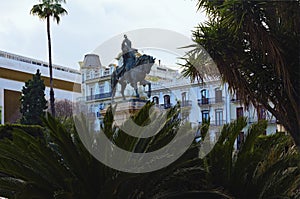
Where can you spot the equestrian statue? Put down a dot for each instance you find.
(133, 70)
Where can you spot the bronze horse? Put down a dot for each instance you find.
(133, 74)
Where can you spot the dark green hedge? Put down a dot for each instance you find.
(7, 129)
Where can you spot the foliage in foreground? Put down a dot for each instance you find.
(255, 45)
(265, 167)
(7, 130)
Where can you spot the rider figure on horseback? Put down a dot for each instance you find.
(128, 54)
(133, 69)
(126, 45)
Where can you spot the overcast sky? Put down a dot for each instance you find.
(88, 24)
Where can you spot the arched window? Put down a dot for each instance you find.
(167, 101)
(204, 96)
(239, 112)
(155, 99)
(91, 74)
(183, 99)
(91, 92)
(205, 115)
(218, 95)
(219, 117)
(240, 139)
(101, 88)
(261, 113)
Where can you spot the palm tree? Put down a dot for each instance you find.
(57, 165)
(45, 10)
(255, 45)
(263, 167)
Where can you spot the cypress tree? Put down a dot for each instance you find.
(33, 102)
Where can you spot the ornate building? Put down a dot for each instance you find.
(198, 102)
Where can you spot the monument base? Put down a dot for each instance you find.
(125, 109)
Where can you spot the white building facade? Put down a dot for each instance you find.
(211, 100)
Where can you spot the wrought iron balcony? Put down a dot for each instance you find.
(235, 100)
(207, 101)
(98, 96)
(164, 106)
(96, 77)
(187, 103)
(269, 120)
(215, 123)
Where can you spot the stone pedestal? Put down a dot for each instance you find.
(125, 109)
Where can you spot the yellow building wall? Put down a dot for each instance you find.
(11, 106)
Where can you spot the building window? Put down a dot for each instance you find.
(106, 72)
(239, 112)
(92, 93)
(218, 94)
(167, 102)
(240, 140)
(219, 117)
(183, 99)
(101, 106)
(101, 88)
(91, 74)
(261, 113)
(204, 96)
(155, 100)
(205, 116)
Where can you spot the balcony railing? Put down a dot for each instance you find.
(270, 121)
(96, 76)
(235, 100)
(206, 101)
(166, 106)
(98, 96)
(163, 106)
(187, 103)
(215, 123)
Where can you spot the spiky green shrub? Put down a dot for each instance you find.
(7, 129)
(57, 165)
(264, 167)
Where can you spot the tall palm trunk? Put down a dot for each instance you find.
(50, 69)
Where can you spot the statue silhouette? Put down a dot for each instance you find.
(133, 69)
